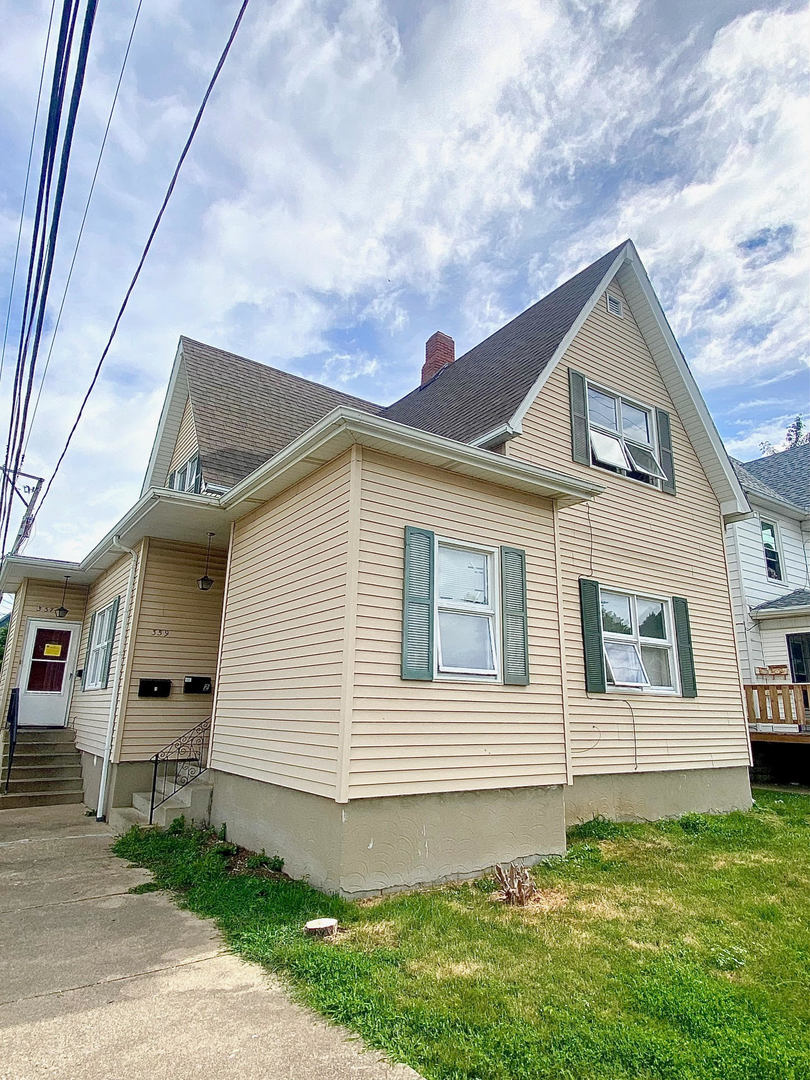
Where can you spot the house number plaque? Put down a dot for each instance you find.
(160, 633)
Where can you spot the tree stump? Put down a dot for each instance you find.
(325, 928)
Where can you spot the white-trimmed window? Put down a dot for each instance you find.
(99, 648)
(772, 550)
(622, 436)
(466, 610)
(188, 477)
(638, 637)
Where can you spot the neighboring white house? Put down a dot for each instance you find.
(769, 568)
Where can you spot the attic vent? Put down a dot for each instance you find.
(614, 306)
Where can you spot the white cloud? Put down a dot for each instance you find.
(370, 172)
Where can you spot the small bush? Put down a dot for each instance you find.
(263, 861)
(598, 828)
(177, 827)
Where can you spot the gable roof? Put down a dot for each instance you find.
(756, 488)
(485, 387)
(244, 412)
(787, 473)
(484, 396)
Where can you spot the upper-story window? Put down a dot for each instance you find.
(770, 546)
(622, 436)
(188, 477)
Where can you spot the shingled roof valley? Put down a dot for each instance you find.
(246, 412)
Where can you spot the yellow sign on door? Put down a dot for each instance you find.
(52, 650)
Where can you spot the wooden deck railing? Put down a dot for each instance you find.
(777, 703)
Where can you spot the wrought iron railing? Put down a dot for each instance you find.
(11, 723)
(178, 763)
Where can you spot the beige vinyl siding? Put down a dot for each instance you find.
(176, 633)
(34, 600)
(449, 734)
(639, 538)
(186, 445)
(278, 708)
(90, 709)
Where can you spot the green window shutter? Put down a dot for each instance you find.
(580, 443)
(665, 450)
(417, 606)
(592, 636)
(686, 656)
(108, 651)
(514, 623)
(87, 654)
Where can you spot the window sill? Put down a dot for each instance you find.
(624, 691)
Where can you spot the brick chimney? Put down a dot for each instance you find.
(440, 350)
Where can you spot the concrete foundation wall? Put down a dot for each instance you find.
(125, 778)
(654, 795)
(369, 845)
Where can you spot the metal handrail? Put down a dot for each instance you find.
(183, 760)
(12, 719)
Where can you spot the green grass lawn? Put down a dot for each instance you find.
(676, 950)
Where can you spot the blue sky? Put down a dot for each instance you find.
(368, 172)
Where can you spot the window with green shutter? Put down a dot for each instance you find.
(454, 599)
(635, 641)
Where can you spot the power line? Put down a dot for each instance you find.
(25, 187)
(148, 245)
(67, 22)
(48, 249)
(81, 226)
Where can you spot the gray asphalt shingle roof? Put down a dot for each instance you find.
(485, 387)
(787, 473)
(246, 412)
(797, 598)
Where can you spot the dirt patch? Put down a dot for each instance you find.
(544, 900)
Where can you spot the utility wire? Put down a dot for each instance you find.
(69, 10)
(145, 252)
(25, 187)
(81, 227)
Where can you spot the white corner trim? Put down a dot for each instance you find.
(164, 428)
(517, 420)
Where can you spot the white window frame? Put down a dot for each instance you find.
(97, 647)
(490, 610)
(637, 640)
(618, 433)
(616, 300)
(183, 472)
(777, 536)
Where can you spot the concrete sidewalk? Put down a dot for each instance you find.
(99, 984)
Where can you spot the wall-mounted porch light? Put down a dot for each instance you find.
(62, 611)
(205, 582)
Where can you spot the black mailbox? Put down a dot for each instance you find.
(197, 684)
(154, 687)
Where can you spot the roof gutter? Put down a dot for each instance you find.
(500, 434)
(781, 613)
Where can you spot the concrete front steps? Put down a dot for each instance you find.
(46, 770)
(193, 802)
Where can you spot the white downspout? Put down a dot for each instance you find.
(119, 667)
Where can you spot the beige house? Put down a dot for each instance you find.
(438, 630)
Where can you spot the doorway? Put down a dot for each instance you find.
(47, 670)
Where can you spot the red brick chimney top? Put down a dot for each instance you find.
(440, 350)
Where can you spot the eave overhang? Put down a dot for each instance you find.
(345, 427)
